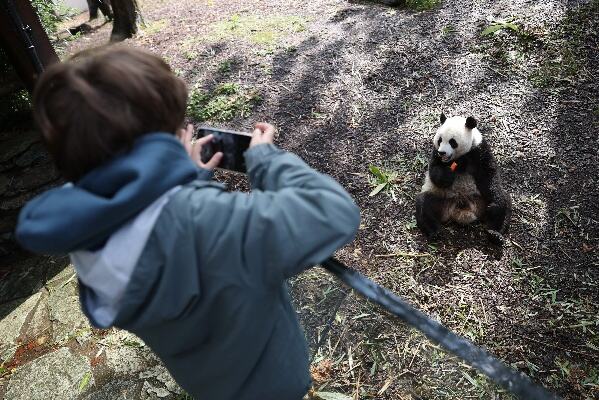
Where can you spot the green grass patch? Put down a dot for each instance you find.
(422, 5)
(153, 27)
(448, 30)
(224, 67)
(225, 102)
(261, 30)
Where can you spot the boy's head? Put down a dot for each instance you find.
(96, 104)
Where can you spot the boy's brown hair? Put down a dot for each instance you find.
(96, 104)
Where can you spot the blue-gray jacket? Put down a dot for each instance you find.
(195, 271)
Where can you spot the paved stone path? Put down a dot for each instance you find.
(48, 350)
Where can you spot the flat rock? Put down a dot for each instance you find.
(161, 374)
(57, 375)
(14, 315)
(36, 154)
(64, 309)
(17, 143)
(28, 276)
(116, 390)
(39, 322)
(129, 360)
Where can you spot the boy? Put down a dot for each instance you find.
(195, 271)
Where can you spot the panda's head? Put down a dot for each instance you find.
(455, 137)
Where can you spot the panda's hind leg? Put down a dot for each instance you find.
(497, 218)
(430, 213)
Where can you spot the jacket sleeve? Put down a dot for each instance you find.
(205, 174)
(293, 219)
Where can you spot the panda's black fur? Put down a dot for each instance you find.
(446, 195)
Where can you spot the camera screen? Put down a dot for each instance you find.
(231, 144)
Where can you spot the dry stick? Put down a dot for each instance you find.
(554, 345)
(403, 254)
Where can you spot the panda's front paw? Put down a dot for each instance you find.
(495, 237)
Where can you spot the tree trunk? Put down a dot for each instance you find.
(124, 25)
(24, 41)
(102, 5)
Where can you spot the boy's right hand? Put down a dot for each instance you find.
(194, 149)
(263, 134)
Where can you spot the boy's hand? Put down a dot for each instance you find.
(263, 133)
(194, 149)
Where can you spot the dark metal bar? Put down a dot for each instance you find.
(508, 378)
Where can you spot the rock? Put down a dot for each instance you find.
(150, 391)
(116, 390)
(4, 183)
(22, 281)
(65, 311)
(57, 375)
(161, 374)
(38, 324)
(8, 223)
(29, 179)
(35, 154)
(128, 360)
(14, 315)
(17, 143)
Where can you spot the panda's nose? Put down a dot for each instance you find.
(441, 153)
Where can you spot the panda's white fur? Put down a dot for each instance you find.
(464, 188)
(465, 192)
(455, 128)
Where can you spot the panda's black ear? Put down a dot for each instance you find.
(470, 123)
(443, 118)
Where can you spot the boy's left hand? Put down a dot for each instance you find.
(194, 149)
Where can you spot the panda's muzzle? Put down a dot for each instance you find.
(444, 156)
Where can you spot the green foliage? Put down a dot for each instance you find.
(17, 102)
(497, 26)
(422, 5)
(260, 30)
(225, 102)
(48, 12)
(382, 180)
(225, 66)
(85, 381)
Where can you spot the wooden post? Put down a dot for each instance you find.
(24, 40)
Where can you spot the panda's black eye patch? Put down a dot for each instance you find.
(453, 143)
(439, 142)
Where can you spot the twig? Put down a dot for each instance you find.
(516, 244)
(555, 346)
(403, 254)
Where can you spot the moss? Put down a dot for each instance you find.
(153, 27)
(260, 30)
(421, 5)
(224, 103)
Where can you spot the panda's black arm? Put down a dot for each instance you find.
(441, 174)
(486, 174)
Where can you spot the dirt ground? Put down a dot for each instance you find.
(351, 84)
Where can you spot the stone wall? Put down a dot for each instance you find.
(25, 171)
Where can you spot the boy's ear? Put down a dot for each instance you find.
(443, 118)
(470, 123)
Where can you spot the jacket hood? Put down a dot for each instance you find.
(84, 215)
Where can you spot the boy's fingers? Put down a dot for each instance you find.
(214, 161)
(205, 139)
(268, 131)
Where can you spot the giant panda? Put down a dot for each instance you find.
(462, 183)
